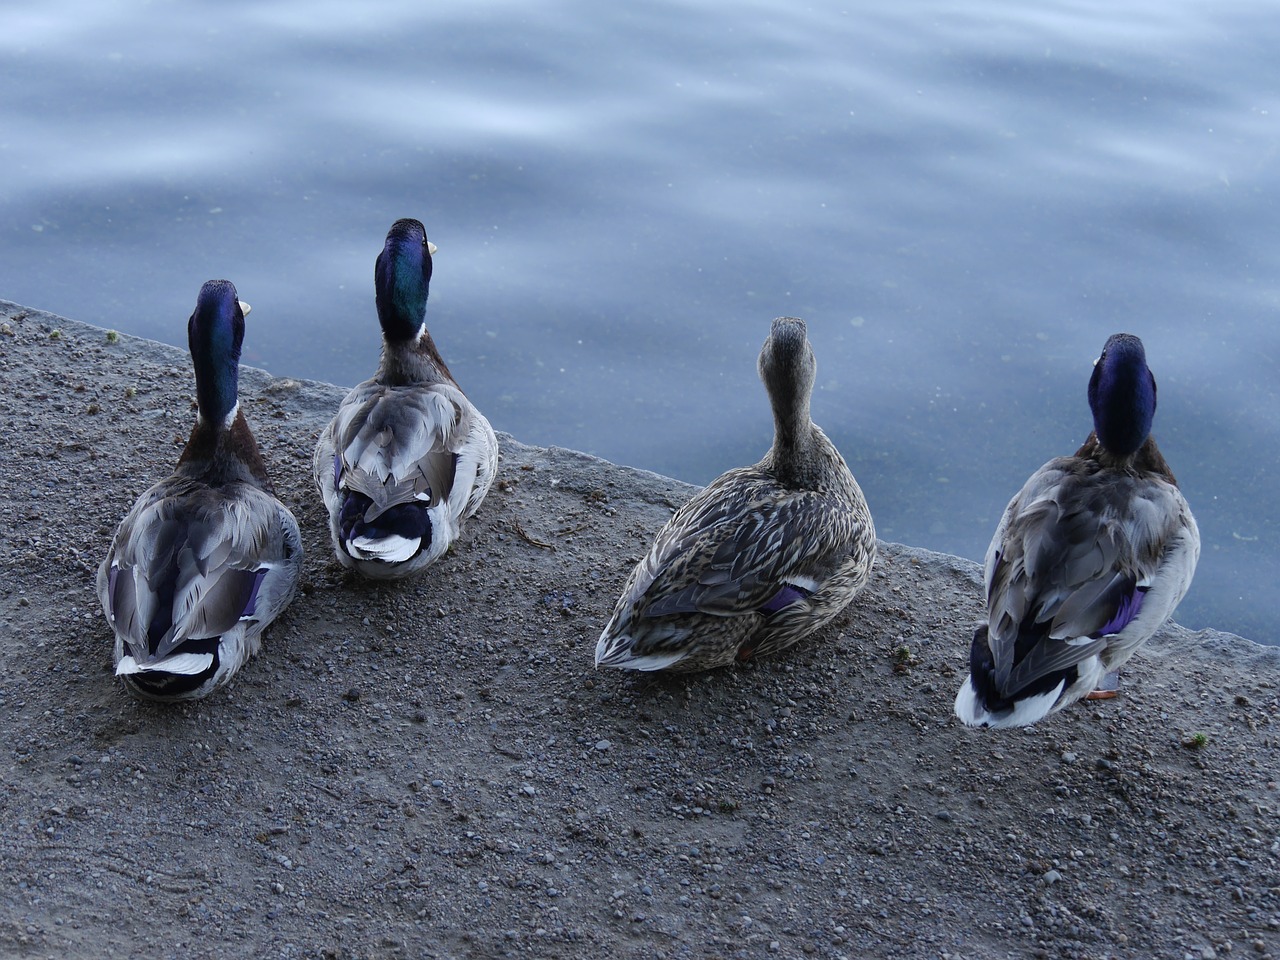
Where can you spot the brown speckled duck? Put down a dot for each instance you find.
(760, 558)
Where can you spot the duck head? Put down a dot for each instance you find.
(215, 333)
(1122, 395)
(788, 367)
(402, 280)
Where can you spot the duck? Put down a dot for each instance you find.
(1088, 560)
(761, 557)
(206, 558)
(407, 458)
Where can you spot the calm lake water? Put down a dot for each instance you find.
(962, 200)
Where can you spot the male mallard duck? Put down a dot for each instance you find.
(763, 556)
(1089, 559)
(408, 457)
(207, 557)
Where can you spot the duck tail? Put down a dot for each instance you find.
(395, 535)
(616, 648)
(182, 676)
(980, 703)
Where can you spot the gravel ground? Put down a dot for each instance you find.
(434, 769)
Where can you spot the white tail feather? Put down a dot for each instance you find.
(187, 664)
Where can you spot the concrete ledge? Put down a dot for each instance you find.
(435, 769)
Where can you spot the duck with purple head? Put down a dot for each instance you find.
(207, 557)
(1088, 561)
(408, 457)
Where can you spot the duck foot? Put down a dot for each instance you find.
(1108, 688)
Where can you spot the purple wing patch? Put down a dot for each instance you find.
(337, 470)
(1129, 607)
(251, 605)
(111, 589)
(785, 597)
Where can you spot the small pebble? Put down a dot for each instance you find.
(603, 745)
(1053, 876)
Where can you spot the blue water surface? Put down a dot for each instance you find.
(962, 200)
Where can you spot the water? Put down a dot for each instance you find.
(962, 201)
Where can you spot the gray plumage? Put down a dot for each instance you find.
(422, 444)
(763, 556)
(1089, 559)
(407, 458)
(207, 557)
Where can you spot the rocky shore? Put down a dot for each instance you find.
(435, 769)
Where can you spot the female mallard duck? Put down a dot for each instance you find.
(1089, 559)
(207, 557)
(408, 457)
(763, 556)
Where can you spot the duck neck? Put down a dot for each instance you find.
(412, 361)
(402, 283)
(401, 314)
(790, 459)
(1147, 459)
(224, 452)
(216, 361)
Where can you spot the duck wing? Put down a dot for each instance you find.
(397, 444)
(190, 562)
(744, 544)
(1071, 564)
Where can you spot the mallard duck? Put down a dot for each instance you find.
(408, 457)
(762, 556)
(1087, 562)
(207, 557)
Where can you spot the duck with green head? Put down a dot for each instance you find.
(408, 457)
(207, 557)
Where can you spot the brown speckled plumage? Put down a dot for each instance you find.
(760, 558)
